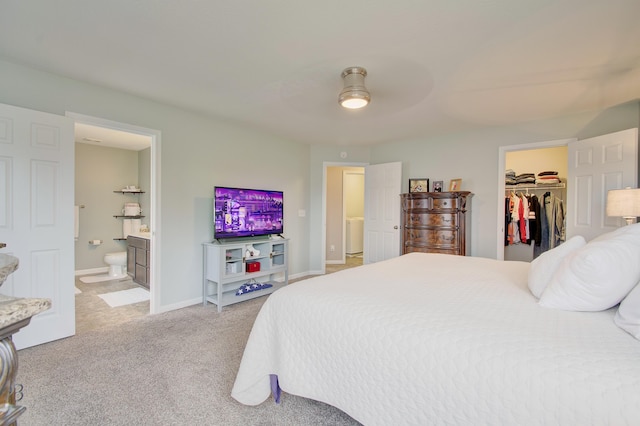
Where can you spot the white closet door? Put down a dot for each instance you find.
(597, 165)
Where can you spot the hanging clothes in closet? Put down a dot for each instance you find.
(520, 218)
(553, 231)
(529, 220)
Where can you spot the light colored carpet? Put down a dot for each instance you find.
(99, 278)
(175, 368)
(125, 297)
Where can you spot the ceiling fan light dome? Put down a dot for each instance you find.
(354, 95)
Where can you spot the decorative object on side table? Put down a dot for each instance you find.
(419, 185)
(455, 184)
(624, 203)
(437, 186)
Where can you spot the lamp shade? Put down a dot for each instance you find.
(354, 95)
(624, 203)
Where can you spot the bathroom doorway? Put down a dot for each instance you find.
(110, 158)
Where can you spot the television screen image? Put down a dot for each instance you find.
(240, 212)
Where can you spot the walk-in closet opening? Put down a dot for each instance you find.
(535, 201)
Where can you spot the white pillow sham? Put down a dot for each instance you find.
(597, 276)
(628, 315)
(543, 267)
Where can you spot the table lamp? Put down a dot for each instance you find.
(624, 203)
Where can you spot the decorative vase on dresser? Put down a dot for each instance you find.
(436, 222)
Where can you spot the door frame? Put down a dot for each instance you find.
(502, 151)
(325, 166)
(154, 194)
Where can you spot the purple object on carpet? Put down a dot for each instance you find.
(275, 388)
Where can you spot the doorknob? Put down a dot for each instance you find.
(395, 227)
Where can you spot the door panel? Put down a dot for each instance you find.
(383, 185)
(597, 165)
(37, 218)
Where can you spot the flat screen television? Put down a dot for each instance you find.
(242, 212)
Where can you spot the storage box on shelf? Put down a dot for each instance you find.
(226, 269)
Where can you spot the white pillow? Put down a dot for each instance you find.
(543, 267)
(598, 275)
(628, 315)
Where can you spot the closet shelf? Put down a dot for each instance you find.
(542, 186)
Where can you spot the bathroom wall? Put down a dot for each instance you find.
(99, 172)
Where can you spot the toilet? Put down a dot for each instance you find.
(117, 262)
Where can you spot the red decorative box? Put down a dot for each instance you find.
(253, 266)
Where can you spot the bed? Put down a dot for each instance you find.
(443, 339)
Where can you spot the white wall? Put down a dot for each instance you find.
(354, 193)
(197, 152)
(99, 172)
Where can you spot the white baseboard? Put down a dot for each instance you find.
(314, 273)
(180, 305)
(92, 271)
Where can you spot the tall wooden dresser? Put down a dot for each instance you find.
(436, 222)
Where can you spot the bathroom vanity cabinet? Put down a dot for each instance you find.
(139, 259)
(230, 266)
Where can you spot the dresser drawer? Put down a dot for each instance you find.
(431, 203)
(431, 237)
(425, 249)
(431, 219)
(445, 203)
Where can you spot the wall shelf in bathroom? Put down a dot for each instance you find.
(126, 191)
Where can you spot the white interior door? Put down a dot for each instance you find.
(382, 188)
(597, 165)
(37, 217)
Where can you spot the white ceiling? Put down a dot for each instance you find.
(111, 138)
(434, 66)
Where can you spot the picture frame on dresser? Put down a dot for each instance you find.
(455, 184)
(418, 185)
(437, 186)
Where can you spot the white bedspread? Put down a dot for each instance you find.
(439, 339)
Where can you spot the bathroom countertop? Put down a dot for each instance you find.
(145, 235)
